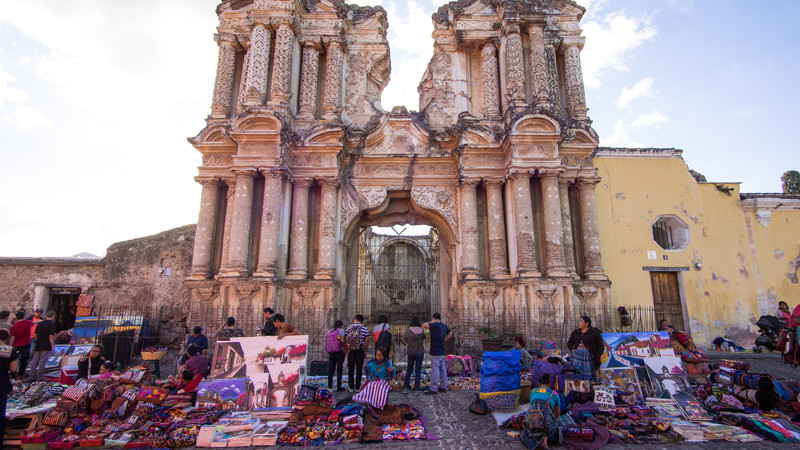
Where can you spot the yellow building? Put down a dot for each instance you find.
(708, 259)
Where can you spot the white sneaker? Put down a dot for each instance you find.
(405, 391)
(349, 389)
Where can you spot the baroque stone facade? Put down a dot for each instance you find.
(495, 159)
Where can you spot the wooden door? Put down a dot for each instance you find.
(667, 299)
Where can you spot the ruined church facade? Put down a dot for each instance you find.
(299, 163)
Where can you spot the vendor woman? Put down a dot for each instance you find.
(90, 364)
(526, 358)
(380, 368)
(187, 382)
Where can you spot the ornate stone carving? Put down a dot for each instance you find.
(223, 86)
(547, 293)
(538, 63)
(243, 80)
(515, 69)
(258, 65)
(552, 75)
(333, 81)
(259, 4)
(572, 161)
(439, 199)
(245, 291)
(217, 160)
(575, 93)
(374, 196)
(489, 80)
(586, 294)
(366, 39)
(349, 208)
(207, 293)
(320, 23)
(487, 294)
(307, 294)
(474, 25)
(281, 90)
(308, 81)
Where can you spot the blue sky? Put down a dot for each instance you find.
(97, 98)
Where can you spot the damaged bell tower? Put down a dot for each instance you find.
(299, 159)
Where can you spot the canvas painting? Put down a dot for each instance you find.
(624, 382)
(644, 382)
(275, 366)
(691, 408)
(667, 376)
(630, 349)
(226, 394)
(85, 330)
(59, 351)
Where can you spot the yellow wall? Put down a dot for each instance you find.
(740, 276)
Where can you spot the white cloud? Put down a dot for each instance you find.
(25, 118)
(609, 42)
(653, 119)
(8, 93)
(619, 137)
(409, 39)
(641, 89)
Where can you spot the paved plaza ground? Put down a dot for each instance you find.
(449, 417)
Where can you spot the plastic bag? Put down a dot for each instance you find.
(500, 371)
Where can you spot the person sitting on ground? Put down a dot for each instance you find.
(663, 326)
(380, 368)
(764, 396)
(197, 363)
(107, 370)
(545, 409)
(229, 330)
(284, 329)
(525, 357)
(187, 382)
(63, 337)
(90, 364)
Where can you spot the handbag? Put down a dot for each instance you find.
(75, 393)
(55, 418)
(478, 406)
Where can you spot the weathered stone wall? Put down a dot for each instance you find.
(143, 272)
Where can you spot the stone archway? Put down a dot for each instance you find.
(423, 283)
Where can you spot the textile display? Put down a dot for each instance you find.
(501, 402)
(373, 393)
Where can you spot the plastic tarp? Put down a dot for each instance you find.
(500, 371)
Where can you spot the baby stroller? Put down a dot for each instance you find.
(769, 327)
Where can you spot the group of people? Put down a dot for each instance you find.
(352, 343)
(31, 338)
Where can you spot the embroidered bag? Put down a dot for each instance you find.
(75, 393)
(55, 418)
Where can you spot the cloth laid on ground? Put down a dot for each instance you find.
(373, 393)
(502, 417)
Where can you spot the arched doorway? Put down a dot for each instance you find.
(399, 264)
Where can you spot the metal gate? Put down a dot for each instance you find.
(398, 276)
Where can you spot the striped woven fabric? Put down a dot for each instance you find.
(373, 393)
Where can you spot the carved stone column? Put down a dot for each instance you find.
(592, 263)
(281, 89)
(566, 224)
(551, 57)
(538, 62)
(240, 224)
(523, 222)
(326, 260)
(498, 256)
(308, 80)
(244, 41)
(270, 223)
(490, 81)
(553, 232)
(255, 89)
(574, 76)
(204, 235)
(515, 70)
(332, 101)
(223, 85)
(469, 229)
(298, 235)
(226, 239)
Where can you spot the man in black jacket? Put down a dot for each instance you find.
(269, 328)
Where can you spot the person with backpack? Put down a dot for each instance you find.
(415, 338)
(355, 343)
(334, 346)
(540, 422)
(383, 336)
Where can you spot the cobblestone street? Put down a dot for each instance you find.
(449, 417)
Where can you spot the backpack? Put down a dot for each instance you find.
(384, 340)
(332, 342)
(540, 417)
(478, 406)
(353, 338)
